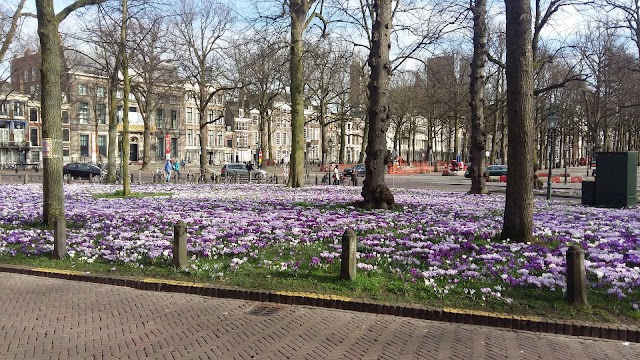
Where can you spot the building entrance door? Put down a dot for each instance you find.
(133, 152)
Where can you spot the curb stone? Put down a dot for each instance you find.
(514, 322)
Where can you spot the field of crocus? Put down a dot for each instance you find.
(438, 242)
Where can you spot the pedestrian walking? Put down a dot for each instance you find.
(167, 170)
(176, 168)
(336, 175)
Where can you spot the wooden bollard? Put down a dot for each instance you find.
(180, 245)
(59, 238)
(25, 179)
(348, 256)
(276, 179)
(316, 179)
(90, 178)
(237, 178)
(139, 176)
(69, 179)
(576, 277)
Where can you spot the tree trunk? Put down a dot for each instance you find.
(51, 68)
(298, 9)
(518, 212)
(476, 88)
(113, 125)
(375, 192)
(126, 182)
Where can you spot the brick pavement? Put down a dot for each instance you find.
(47, 318)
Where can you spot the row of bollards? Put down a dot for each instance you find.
(576, 275)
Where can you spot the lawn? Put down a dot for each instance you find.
(435, 248)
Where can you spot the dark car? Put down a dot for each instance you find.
(242, 170)
(467, 173)
(82, 171)
(359, 168)
(496, 170)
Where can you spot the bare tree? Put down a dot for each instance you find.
(518, 213)
(202, 55)
(299, 13)
(375, 192)
(154, 71)
(476, 90)
(51, 68)
(262, 62)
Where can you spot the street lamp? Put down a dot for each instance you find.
(552, 123)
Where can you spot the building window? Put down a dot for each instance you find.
(82, 89)
(277, 138)
(219, 142)
(160, 142)
(190, 137)
(210, 119)
(33, 114)
(101, 109)
(160, 119)
(211, 138)
(284, 139)
(65, 152)
(4, 108)
(83, 113)
(173, 100)
(33, 136)
(243, 140)
(174, 148)
(66, 137)
(101, 92)
(254, 119)
(18, 108)
(84, 145)
(35, 156)
(65, 117)
(102, 145)
(189, 116)
(174, 119)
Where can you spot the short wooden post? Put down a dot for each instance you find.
(131, 178)
(316, 179)
(25, 179)
(237, 178)
(0, 179)
(180, 245)
(576, 276)
(69, 178)
(140, 176)
(90, 178)
(276, 179)
(348, 256)
(59, 238)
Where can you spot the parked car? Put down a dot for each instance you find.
(467, 173)
(82, 171)
(359, 168)
(496, 170)
(242, 170)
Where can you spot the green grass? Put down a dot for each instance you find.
(372, 285)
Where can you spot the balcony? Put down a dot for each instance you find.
(15, 145)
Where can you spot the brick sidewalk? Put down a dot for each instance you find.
(46, 318)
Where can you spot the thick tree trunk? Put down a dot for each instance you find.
(126, 181)
(113, 126)
(375, 192)
(51, 69)
(298, 9)
(518, 212)
(476, 87)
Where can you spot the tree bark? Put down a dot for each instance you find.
(51, 69)
(518, 212)
(375, 192)
(298, 9)
(126, 181)
(476, 88)
(50, 74)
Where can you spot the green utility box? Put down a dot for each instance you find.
(617, 179)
